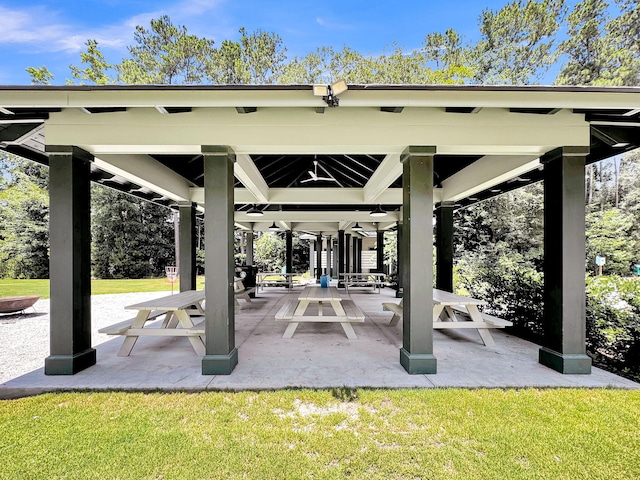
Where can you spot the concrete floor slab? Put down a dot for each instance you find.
(318, 356)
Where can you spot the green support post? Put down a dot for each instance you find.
(221, 355)
(416, 355)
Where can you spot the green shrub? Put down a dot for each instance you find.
(613, 323)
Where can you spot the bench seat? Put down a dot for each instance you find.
(287, 310)
(121, 327)
(494, 322)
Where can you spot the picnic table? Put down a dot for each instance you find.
(344, 309)
(275, 279)
(455, 311)
(361, 279)
(177, 309)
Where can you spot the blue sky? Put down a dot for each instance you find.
(53, 32)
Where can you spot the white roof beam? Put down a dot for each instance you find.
(486, 172)
(249, 175)
(147, 172)
(387, 172)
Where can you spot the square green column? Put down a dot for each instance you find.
(187, 247)
(221, 355)
(70, 261)
(289, 251)
(416, 354)
(249, 257)
(564, 317)
(444, 246)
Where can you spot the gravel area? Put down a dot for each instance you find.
(24, 338)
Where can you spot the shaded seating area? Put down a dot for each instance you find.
(239, 154)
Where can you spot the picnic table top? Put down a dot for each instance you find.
(443, 297)
(179, 301)
(319, 294)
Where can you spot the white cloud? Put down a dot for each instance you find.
(41, 29)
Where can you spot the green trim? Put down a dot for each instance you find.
(69, 364)
(220, 364)
(418, 363)
(565, 363)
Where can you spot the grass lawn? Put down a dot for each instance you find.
(291, 434)
(11, 288)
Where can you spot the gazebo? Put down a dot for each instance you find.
(231, 150)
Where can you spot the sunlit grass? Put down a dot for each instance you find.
(378, 434)
(11, 288)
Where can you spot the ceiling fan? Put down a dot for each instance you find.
(314, 177)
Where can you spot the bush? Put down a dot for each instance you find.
(613, 323)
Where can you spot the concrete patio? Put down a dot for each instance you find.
(318, 356)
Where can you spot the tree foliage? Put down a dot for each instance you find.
(132, 238)
(165, 54)
(516, 45)
(24, 219)
(96, 66)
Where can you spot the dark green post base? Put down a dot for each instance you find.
(220, 364)
(565, 363)
(418, 363)
(69, 364)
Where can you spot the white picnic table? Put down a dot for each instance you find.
(451, 311)
(362, 279)
(344, 309)
(264, 279)
(177, 308)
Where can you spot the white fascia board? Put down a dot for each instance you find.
(314, 196)
(313, 216)
(485, 173)
(282, 130)
(387, 172)
(147, 172)
(249, 175)
(373, 96)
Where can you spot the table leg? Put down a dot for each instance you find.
(437, 311)
(291, 329)
(348, 330)
(130, 340)
(485, 335)
(302, 307)
(196, 341)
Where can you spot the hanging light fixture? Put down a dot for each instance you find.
(274, 226)
(254, 211)
(357, 227)
(378, 212)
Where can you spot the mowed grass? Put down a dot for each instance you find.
(12, 288)
(299, 434)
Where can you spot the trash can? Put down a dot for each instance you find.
(324, 281)
(248, 275)
(636, 270)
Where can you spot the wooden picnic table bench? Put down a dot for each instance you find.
(375, 280)
(275, 279)
(455, 311)
(178, 310)
(344, 309)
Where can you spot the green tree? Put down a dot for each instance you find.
(257, 58)
(609, 235)
(132, 238)
(269, 252)
(516, 45)
(165, 54)
(623, 41)
(585, 47)
(24, 219)
(96, 69)
(40, 75)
